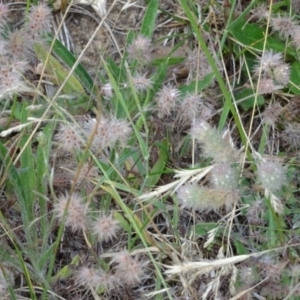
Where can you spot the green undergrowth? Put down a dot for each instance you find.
(170, 176)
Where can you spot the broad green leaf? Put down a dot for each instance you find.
(57, 72)
(253, 36)
(246, 99)
(68, 58)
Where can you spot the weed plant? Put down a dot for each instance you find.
(171, 176)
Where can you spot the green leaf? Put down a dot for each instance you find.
(253, 36)
(203, 228)
(148, 24)
(246, 99)
(68, 58)
(158, 168)
(57, 72)
(14, 179)
(197, 85)
(295, 78)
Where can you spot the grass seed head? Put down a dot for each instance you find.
(223, 176)
(271, 175)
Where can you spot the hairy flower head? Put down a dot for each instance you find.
(74, 210)
(68, 137)
(267, 62)
(105, 227)
(166, 99)
(283, 25)
(140, 50)
(129, 270)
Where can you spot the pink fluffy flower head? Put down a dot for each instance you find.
(283, 25)
(267, 86)
(39, 20)
(140, 50)
(68, 138)
(105, 227)
(95, 278)
(74, 210)
(167, 99)
(129, 270)
(18, 45)
(3, 13)
(141, 82)
(190, 108)
(11, 81)
(267, 62)
(108, 132)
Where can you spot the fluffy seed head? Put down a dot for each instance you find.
(267, 86)
(141, 82)
(283, 25)
(108, 132)
(260, 12)
(68, 137)
(19, 46)
(189, 108)
(166, 99)
(11, 82)
(281, 74)
(296, 38)
(271, 175)
(105, 227)
(129, 270)
(268, 62)
(272, 113)
(39, 20)
(225, 177)
(75, 213)
(3, 13)
(291, 135)
(140, 50)
(86, 276)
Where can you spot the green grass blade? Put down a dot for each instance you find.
(148, 24)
